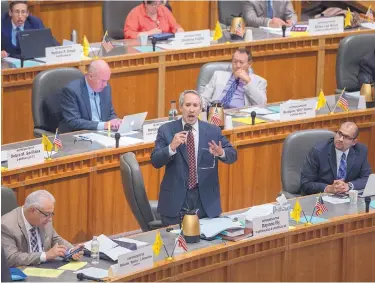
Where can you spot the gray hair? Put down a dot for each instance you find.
(35, 198)
(182, 96)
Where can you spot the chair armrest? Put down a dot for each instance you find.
(39, 132)
(155, 224)
(154, 207)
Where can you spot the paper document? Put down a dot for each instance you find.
(129, 240)
(109, 142)
(94, 272)
(258, 110)
(214, 226)
(368, 25)
(334, 200)
(42, 272)
(73, 266)
(108, 247)
(248, 120)
(259, 211)
(26, 63)
(4, 155)
(372, 203)
(272, 117)
(274, 108)
(116, 252)
(277, 31)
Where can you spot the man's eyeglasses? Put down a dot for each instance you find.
(18, 12)
(346, 137)
(45, 214)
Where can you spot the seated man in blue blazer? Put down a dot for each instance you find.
(16, 19)
(337, 165)
(190, 150)
(86, 104)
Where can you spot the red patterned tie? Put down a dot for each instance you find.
(191, 158)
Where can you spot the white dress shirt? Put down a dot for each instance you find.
(43, 256)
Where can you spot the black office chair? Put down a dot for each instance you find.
(8, 200)
(45, 98)
(228, 8)
(114, 14)
(351, 49)
(135, 193)
(207, 71)
(5, 271)
(295, 149)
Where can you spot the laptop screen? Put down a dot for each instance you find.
(33, 42)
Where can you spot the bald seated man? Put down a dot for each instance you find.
(86, 104)
(337, 165)
(27, 234)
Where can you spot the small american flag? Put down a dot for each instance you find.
(239, 30)
(107, 43)
(56, 141)
(320, 206)
(343, 102)
(370, 15)
(182, 243)
(215, 119)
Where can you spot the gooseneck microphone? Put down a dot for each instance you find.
(153, 41)
(253, 115)
(117, 137)
(81, 276)
(283, 29)
(187, 127)
(367, 202)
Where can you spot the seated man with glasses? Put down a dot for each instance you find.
(27, 234)
(189, 148)
(236, 88)
(15, 20)
(150, 17)
(337, 165)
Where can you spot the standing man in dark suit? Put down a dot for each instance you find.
(338, 165)
(366, 72)
(269, 13)
(86, 104)
(15, 20)
(190, 150)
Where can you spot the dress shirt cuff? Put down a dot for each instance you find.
(43, 257)
(171, 152)
(100, 126)
(268, 22)
(223, 155)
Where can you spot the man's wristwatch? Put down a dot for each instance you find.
(351, 186)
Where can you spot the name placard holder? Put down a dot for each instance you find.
(271, 224)
(294, 110)
(25, 156)
(192, 38)
(326, 25)
(63, 54)
(150, 131)
(142, 258)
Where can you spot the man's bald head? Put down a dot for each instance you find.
(98, 75)
(351, 127)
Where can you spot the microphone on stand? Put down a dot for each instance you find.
(153, 41)
(283, 29)
(253, 115)
(367, 201)
(117, 137)
(187, 127)
(81, 276)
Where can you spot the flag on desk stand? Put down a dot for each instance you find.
(343, 102)
(86, 46)
(321, 100)
(57, 142)
(320, 207)
(47, 145)
(296, 212)
(218, 32)
(215, 119)
(348, 19)
(158, 243)
(182, 242)
(369, 15)
(107, 43)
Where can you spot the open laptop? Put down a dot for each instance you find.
(370, 187)
(132, 123)
(33, 42)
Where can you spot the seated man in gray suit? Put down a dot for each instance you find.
(269, 13)
(86, 104)
(337, 165)
(27, 235)
(190, 150)
(238, 88)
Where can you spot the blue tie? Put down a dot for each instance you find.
(229, 95)
(269, 9)
(15, 39)
(342, 168)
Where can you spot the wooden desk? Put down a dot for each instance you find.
(88, 189)
(294, 68)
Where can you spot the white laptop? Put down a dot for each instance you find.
(370, 187)
(132, 123)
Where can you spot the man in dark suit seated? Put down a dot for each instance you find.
(337, 165)
(15, 20)
(190, 150)
(366, 72)
(86, 104)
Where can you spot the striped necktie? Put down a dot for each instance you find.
(269, 9)
(342, 168)
(34, 240)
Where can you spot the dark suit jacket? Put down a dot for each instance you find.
(15, 240)
(6, 32)
(175, 182)
(320, 168)
(367, 68)
(76, 109)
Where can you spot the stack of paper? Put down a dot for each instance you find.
(109, 142)
(335, 200)
(108, 247)
(214, 226)
(259, 211)
(258, 110)
(128, 240)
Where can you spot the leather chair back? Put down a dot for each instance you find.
(134, 190)
(207, 71)
(114, 14)
(45, 97)
(8, 200)
(4, 7)
(295, 149)
(351, 49)
(228, 8)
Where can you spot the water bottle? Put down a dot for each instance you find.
(172, 114)
(95, 250)
(73, 36)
